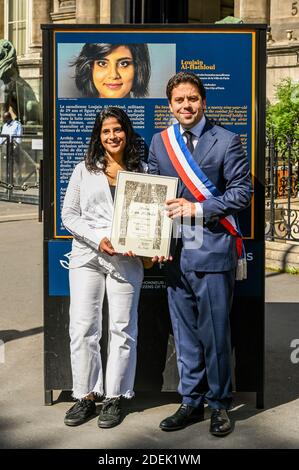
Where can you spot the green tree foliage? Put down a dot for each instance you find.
(282, 118)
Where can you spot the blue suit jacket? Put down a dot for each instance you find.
(221, 157)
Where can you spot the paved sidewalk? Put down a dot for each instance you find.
(13, 211)
(26, 423)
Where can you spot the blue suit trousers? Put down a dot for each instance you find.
(200, 304)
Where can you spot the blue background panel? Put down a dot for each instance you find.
(222, 60)
(58, 261)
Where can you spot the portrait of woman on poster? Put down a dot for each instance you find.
(113, 70)
(96, 269)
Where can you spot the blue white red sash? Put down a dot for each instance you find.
(193, 177)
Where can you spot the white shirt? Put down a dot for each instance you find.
(12, 128)
(87, 214)
(196, 133)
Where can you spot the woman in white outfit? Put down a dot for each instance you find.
(95, 268)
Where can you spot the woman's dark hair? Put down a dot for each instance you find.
(95, 159)
(93, 52)
(185, 77)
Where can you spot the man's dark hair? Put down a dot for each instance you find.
(93, 52)
(96, 159)
(185, 77)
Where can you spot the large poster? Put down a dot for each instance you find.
(130, 69)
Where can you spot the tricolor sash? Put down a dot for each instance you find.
(199, 185)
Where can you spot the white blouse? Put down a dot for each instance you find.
(87, 214)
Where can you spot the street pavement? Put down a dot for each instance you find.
(26, 423)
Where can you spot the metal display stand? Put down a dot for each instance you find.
(156, 366)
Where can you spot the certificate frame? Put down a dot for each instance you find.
(140, 223)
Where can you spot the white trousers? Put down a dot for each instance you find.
(87, 289)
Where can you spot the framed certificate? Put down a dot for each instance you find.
(140, 223)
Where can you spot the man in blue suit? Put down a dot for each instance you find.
(202, 269)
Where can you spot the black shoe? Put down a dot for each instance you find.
(185, 415)
(220, 423)
(80, 412)
(110, 414)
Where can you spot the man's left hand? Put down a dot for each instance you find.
(180, 208)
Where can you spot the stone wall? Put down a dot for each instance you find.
(282, 39)
(282, 256)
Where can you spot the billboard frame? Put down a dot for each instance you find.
(251, 325)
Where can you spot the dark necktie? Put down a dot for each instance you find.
(189, 142)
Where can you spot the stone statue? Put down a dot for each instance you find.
(16, 95)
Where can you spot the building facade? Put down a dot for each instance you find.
(20, 22)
